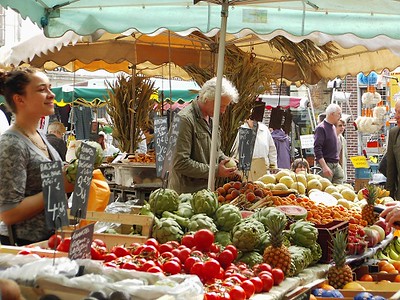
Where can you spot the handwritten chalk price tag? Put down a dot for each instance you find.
(172, 138)
(247, 139)
(54, 196)
(83, 179)
(359, 162)
(160, 141)
(81, 240)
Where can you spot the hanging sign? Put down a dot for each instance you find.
(172, 138)
(307, 141)
(81, 240)
(55, 201)
(160, 141)
(359, 162)
(247, 139)
(83, 179)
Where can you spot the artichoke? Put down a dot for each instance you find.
(251, 258)
(185, 210)
(201, 221)
(246, 235)
(263, 214)
(162, 200)
(166, 229)
(72, 169)
(264, 243)
(204, 201)
(303, 233)
(98, 160)
(223, 238)
(316, 252)
(227, 216)
(185, 197)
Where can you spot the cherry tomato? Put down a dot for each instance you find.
(109, 257)
(99, 242)
(188, 241)
(176, 252)
(248, 287)
(258, 284)
(130, 266)
(240, 276)
(189, 262)
(261, 267)
(153, 242)
(147, 265)
(211, 268)
(203, 239)
(198, 269)
(225, 258)
(183, 254)
(233, 250)
(267, 281)
(172, 267)
(95, 253)
(54, 241)
(233, 279)
(214, 248)
(64, 245)
(211, 296)
(149, 251)
(120, 251)
(277, 275)
(196, 253)
(165, 248)
(237, 293)
(155, 270)
(174, 244)
(167, 255)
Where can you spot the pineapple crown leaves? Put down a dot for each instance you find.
(276, 223)
(338, 246)
(370, 193)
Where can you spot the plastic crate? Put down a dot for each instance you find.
(325, 233)
(363, 173)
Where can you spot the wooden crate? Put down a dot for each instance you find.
(36, 250)
(146, 222)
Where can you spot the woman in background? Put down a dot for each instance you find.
(342, 146)
(22, 150)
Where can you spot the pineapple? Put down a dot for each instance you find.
(339, 274)
(277, 254)
(370, 193)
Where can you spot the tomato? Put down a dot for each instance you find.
(130, 266)
(54, 241)
(149, 251)
(211, 268)
(198, 269)
(265, 272)
(258, 284)
(189, 262)
(147, 265)
(248, 287)
(155, 270)
(176, 252)
(188, 241)
(232, 280)
(165, 248)
(109, 257)
(261, 267)
(64, 245)
(95, 253)
(24, 252)
(267, 281)
(120, 251)
(174, 244)
(237, 293)
(277, 275)
(167, 255)
(233, 250)
(172, 267)
(214, 248)
(211, 296)
(196, 253)
(100, 243)
(240, 276)
(203, 239)
(153, 242)
(110, 264)
(183, 254)
(225, 258)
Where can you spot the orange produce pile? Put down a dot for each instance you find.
(320, 214)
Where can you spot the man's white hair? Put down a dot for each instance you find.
(207, 91)
(332, 108)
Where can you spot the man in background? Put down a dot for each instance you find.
(55, 136)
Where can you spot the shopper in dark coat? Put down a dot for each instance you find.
(282, 144)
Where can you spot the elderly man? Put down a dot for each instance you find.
(55, 134)
(191, 163)
(326, 145)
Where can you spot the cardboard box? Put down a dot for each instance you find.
(360, 183)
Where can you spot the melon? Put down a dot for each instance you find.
(331, 189)
(267, 178)
(282, 173)
(325, 183)
(281, 187)
(310, 176)
(270, 186)
(314, 184)
(301, 189)
(293, 211)
(337, 195)
(348, 194)
(300, 178)
(286, 180)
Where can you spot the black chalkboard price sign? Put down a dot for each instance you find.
(83, 180)
(81, 240)
(160, 141)
(247, 139)
(172, 138)
(55, 201)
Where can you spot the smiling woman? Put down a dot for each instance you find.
(22, 150)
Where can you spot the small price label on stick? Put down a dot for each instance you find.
(55, 200)
(172, 138)
(81, 240)
(160, 141)
(83, 179)
(247, 139)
